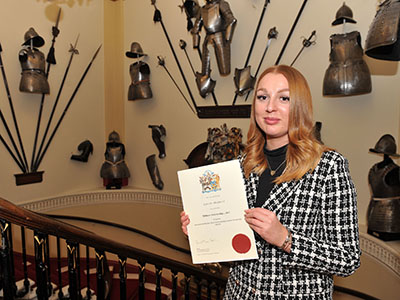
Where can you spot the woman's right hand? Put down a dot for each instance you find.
(185, 222)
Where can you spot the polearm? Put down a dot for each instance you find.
(73, 51)
(306, 43)
(256, 32)
(66, 108)
(11, 153)
(157, 18)
(253, 41)
(272, 34)
(161, 62)
(20, 162)
(182, 45)
(24, 161)
(290, 32)
(50, 60)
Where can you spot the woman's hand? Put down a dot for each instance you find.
(267, 225)
(185, 222)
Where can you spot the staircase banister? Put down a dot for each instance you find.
(46, 225)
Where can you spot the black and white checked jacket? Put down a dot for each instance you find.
(321, 211)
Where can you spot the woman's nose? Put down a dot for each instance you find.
(271, 103)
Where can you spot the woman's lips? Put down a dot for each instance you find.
(271, 121)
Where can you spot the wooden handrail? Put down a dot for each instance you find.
(46, 225)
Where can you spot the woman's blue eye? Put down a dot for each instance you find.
(285, 98)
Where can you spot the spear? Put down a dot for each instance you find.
(272, 34)
(291, 32)
(12, 154)
(14, 117)
(253, 41)
(161, 62)
(73, 51)
(50, 60)
(157, 18)
(66, 108)
(182, 44)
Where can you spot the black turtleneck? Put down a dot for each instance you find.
(275, 158)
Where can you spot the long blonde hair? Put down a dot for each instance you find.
(304, 150)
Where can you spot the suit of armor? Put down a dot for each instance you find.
(114, 170)
(140, 86)
(384, 207)
(348, 73)
(33, 78)
(219, 24)
(384, 179)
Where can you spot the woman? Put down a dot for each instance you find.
(302, 201)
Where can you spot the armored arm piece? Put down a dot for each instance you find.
(23, 55)
(158, 134)
(229, 19)
(196, 31)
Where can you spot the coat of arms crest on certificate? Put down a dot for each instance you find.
(209, 182)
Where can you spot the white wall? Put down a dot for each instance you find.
(85, 116)
(352, 125)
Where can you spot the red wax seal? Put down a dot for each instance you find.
(241, 243)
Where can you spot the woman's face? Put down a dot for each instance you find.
(271, 109)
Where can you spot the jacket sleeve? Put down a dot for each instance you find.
(337, 250)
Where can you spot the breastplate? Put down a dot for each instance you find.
(385, 180)
(346, 47)
(32, 59)
(139, 72)
(33, 79)
(114, 154)
(348, 74)
(383, 39)
(212, 19)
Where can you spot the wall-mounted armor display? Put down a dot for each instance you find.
(343, 15)
(243, 80)
(348, 74)
(114, 171)
(86, 148)
(140, 74)
(158, 134)
(384, 179)
(219, 23)
(223, 143)
(196, 157)
(317, 131)
(33, 64)
(383, 39)
(192, 9)
(154, 172)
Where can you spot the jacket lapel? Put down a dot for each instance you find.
(280, 194)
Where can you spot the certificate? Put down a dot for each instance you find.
(214, 198)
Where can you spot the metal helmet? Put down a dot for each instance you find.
(191, 7)
(344, 14)
(386, 145)
(31, 35)
(114, 137)
(136, 51)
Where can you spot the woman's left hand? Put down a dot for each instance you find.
(267, 225)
